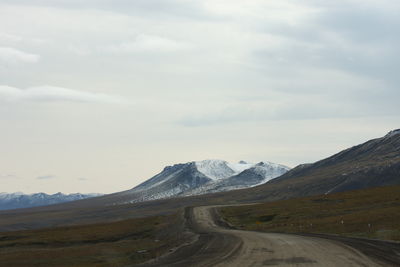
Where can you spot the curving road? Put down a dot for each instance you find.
(218, 246)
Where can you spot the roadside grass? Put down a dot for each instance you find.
(108, 244)
(369, 213)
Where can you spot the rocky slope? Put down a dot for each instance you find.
(373, 163)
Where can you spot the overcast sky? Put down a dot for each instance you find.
(100, 95)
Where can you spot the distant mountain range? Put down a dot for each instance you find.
(371, 164)
(20, 200)
(186, 179)
(201, 177)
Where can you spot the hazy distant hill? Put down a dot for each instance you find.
(20, 200)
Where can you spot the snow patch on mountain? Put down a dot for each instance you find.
(252, 175)
(218, 169)
(240, 166)
(269, 170)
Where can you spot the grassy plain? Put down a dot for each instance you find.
(108, 244)
(369, 213)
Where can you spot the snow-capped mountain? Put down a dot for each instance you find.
(20, 200)
(220, 169)
(252, 175)
(207, 176)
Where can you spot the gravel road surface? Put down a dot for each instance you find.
(214, 245)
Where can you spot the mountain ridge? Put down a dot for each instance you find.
(373, 163)
(201, 177)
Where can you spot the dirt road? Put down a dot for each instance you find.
(218, 246)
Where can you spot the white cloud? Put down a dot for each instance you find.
(55, 94)
(8, 39)
(287, 12)
(147, 43)
(12, 55)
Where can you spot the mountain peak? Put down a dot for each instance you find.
(214, 168)
(221, 169)
(205, 176)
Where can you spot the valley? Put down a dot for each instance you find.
(284, 233)
(350, 199)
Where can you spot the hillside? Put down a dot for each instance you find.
(368, 213)
(371, 164)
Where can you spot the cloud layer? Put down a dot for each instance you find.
(13, 55)
(146, 44)
(55, 94)
(285, 81)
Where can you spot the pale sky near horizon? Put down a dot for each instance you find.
(100, 95)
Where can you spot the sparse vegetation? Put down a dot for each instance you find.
(370, 213)
(108, 244)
